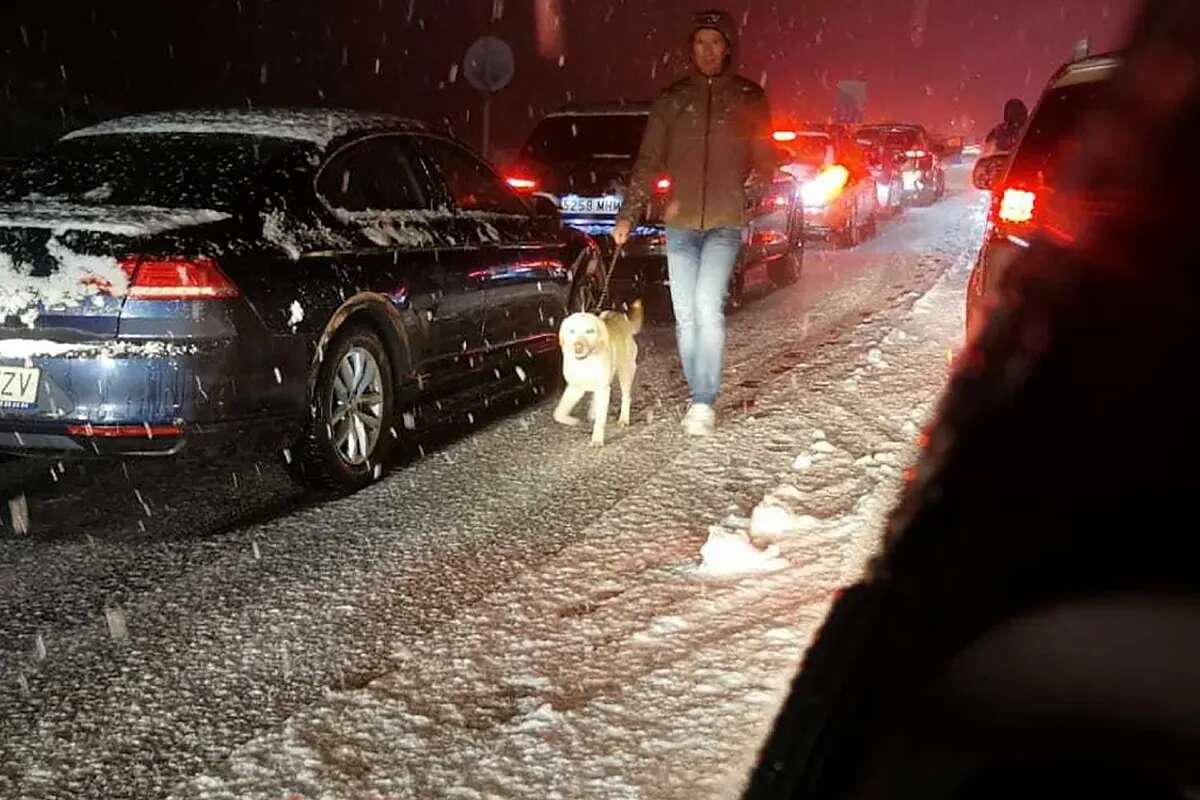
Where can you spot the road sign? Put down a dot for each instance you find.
(489, 64)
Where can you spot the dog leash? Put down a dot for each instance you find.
(612, 267)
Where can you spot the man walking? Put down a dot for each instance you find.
(709, 133)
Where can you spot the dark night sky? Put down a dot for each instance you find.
(70, 61)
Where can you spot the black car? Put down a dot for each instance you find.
(1024, 183)
(307, 280)
(582, 156)
(914, 155)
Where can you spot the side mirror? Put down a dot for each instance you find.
(988, 170)
(545, 206)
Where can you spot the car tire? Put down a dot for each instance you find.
(349, 433)
(849, 236)
(737, 289)
(786, 270)
(872, 229)
(589, 286)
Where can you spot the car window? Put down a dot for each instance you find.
(168, 170)
(810, 150)
(1053, 133)
(379, 174)
(585, 137)
(470, 184)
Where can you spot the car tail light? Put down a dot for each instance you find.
(916, 154)
(784, 136)
(521, 183)
(145, 430)
(662, 185)
(177, 279)
(826, 187)
(1017, 206)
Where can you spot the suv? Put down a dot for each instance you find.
(582, 156)
(912, 151)
(1023, 182)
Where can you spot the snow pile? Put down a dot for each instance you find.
(732, 553)
(776, 515)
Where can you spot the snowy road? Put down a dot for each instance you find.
(513, 615)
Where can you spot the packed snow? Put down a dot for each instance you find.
(549, 631)
(647, 659)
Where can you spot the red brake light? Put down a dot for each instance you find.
(662, 185)
(521, 183)
(144, 430)
(825, 187)
(177, 279)
(784, 136)
(1017, 206)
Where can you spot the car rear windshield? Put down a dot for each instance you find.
(1053, 133)
(166, 170)
(583, 137)
(808, 149)
(902, 140)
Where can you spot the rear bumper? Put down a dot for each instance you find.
(824, 223)
(74, 441)
(158, 399)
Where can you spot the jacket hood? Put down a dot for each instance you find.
(720, 21)
(1015, 112)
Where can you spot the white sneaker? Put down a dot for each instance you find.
(701, 420)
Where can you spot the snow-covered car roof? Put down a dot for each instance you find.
(1089, 70)
(317, 126)
(602, 110)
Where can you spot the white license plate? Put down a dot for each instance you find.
(576, 204)
(18, 387)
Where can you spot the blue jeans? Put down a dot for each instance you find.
(699, 264)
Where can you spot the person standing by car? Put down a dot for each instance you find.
(1004, 137)
(708, 134)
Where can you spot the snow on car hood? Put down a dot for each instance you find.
(119, 220)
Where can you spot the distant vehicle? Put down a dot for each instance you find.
(581, 157)
(910, 149)
(949, 148)
(282, 279)
(1023, 182)
(837, 187)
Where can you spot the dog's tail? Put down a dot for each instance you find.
(636, 316)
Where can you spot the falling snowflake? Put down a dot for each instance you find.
(18, 509)
(118, 630)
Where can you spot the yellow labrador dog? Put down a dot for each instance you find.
(595, 350)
